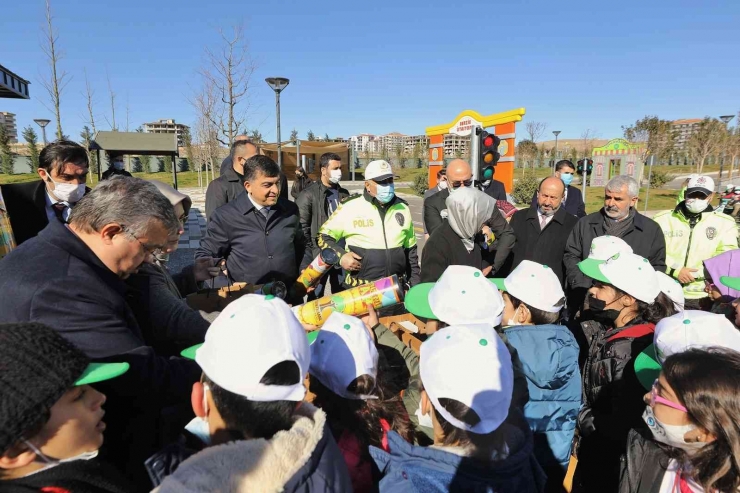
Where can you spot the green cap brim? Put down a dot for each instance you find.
(590, 267)
(311, 336)
(647, 367)
(417, 300)
(189, 353)
(731, 282)
(499, 282)
(99, 372)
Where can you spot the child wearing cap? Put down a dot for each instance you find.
(625, 303)
(533, 300)
(468, 379)
(51, 423)
(721, 295)
(261, 436)
(350, 388)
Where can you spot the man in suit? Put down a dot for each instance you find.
(63, 168)
(441, 185)
(228, 164)
(573, 202)
(230, 184)
(494, 188)
(459, 174)
(543, 229)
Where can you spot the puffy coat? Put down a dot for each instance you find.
(690, 241)
(549, 356)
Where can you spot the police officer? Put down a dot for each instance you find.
(377, 229)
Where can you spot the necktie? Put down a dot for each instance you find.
(59, 209)
(265, 212)
(543, 222)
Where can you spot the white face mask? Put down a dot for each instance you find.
(55, 462)
(695, 206)
(512, 320)
(671, 435)
(442, 185)
(67, 192)
(199, 426)
(335, 176)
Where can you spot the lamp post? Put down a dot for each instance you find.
(277, 84)
(725, 119)
(556, 133)
(42, 123)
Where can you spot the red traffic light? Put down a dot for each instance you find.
(488, 141)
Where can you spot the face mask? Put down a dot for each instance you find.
(385, 193)
(67, 192)
(695, 206)
(512, 320)
(671, 435)
(567, 178)
(486, 183)
(118, 165)
(55, 462)
(443, 185)
(335, 176)
(199, 426)
(599, 312)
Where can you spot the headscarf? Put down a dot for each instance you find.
(467, 210)
(725, 264)
(174, 196)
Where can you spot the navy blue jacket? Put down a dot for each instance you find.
(256, 250)
(574, 204)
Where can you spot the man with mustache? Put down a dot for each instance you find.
(618, 217)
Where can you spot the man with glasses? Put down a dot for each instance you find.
(459, 174)
(71, 278)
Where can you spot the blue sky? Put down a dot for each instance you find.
(385, 66)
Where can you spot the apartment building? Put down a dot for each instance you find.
(683, 130)
(456, 145)
(167, 127)
(359, 143)
(8, 121)
(411, 141)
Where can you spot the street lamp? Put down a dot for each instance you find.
(556, 132)
(42, 123)
(277, 84)
(725, 119)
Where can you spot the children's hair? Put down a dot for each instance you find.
(479, 446)
(707, 382)
(539, 317)
(662, 307)
(252, 419)
(361, 417)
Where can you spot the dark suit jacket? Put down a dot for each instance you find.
(496, 190)
(26, 203)
(228, 164)
(573, 202)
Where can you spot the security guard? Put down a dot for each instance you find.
(377, 229)
(694, 232)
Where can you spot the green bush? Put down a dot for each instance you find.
(524, 188)
(659, 178)
(421, 185)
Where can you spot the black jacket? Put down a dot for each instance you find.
(26, 204)
(444, 248)
(643, 465)
(115, 172)
(573, 202)
(496, 190)
(81, 476)
(505, 239)
(299, 185)
(645, 237)
(256, 250)
(224, 189)
(542, 246)
(313, 207)
(228, 164)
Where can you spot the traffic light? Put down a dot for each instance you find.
(588, 164)
(488, 153)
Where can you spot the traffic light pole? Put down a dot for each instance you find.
(585, 181)
(475, 152)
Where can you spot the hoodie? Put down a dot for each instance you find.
(305, 458)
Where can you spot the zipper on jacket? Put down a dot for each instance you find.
(691, 235)
(385, 240)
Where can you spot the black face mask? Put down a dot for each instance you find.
(600, 314)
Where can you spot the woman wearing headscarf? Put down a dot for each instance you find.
(458, 241)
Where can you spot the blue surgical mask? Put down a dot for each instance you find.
(567, 178)
(385, 193)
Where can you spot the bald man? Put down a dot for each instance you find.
(459, 174)
(542, 230)
(230, 184)
(228, 162)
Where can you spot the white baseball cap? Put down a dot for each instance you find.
(342, 351)
(469, 364)
(378, 170)
(680, 332)
(629, 272)
(462, 295)
(605, 247)
(700, 183)
(253, 334)
(672, 288)
(534, 284)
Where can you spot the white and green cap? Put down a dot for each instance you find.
(629, 272)
(534, 284)
(671, 288)
(604, 248)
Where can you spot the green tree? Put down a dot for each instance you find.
(86, 137)
(294, 136)
(327, 138)
(6, 156)
(167, 164)
(140, 130)
(707, 141)
(656, 134)
(399, 151)
(160, 164)
(526, 150)
(187, 142)
(31, 138)
(146, 163)
(310, 136)
(136, 165)
(256, 137)
(183, 165)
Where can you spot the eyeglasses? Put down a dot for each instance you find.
(654, 397)
(458, 184)
(183, 218)
(154, 250)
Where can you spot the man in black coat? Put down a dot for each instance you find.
(70, 278)
(228, 164)
(259, 235)
(573, 202)
(543, 229)
(63, 168)
(495, 189)
(230, 184)
(459, 174)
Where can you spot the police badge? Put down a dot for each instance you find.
(400, 219)
(443, 213)
(711, 233)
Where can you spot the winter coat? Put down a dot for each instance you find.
(643, 465)
(224, 189)
(409, 468)
(305, 458)
(313, 208)
(549, 357)
(299, 184)
(573, 203)
(689, 242)
(444, 248)
(80, 476)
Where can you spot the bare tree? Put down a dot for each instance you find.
(587, 138)
(655, 134)
(112, 124)
(228, 71)
(206, 128)
(706, 141)
(127, 114)
(57, 80)
(535, 130)
(733, 145)
(89, 93)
